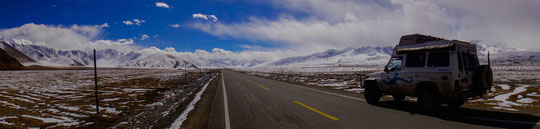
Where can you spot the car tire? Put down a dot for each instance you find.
(484, 77)
(372, 93)
(455, 104)
(398, 98)
(427, 100)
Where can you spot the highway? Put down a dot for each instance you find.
(243, 101)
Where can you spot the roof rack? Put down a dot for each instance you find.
(417, 39)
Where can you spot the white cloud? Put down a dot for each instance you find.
(198, 15)
(213, 17)
(205, 17)
(144, 36)
(138, 22)
(74, 37)
(175, 25)
(86, 37)
(344, 23)
(105, 25)
(127, 22)
(135, 22)
(205, 58)
(162, 5)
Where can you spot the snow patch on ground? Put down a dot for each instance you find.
(504, 97)
(110, 99)
(178, 122)
(504, 86)
(45, 120)
(505, 108)
(355, 90)
(526, 100)
(11, 105)
(534, 94)
(155, 104)
(3, 120)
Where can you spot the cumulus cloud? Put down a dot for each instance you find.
(138, 22)
(162, 5)
(86, 37)
(144, 36)
(135, 22)
(205, 17)
(127, 22)
(74, 37)
(175, 25)
(105, 25)
(345, 23)
(207, 57)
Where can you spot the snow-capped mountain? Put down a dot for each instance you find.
(149, 57)
(30, 53)
(106, 57)
(502, 54)
(343, 57)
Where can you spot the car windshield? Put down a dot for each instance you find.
(394, 64)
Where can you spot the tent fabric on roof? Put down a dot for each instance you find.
(434, 45)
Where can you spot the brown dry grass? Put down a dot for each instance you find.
(128, 97)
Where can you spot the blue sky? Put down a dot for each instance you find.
(280, 27)
(158, 19)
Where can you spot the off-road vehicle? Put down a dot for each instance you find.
(435, 70)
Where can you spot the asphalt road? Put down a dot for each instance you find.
(246, 102)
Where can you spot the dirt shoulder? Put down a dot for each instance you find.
(198, 117)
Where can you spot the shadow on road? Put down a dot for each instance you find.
(470, 116)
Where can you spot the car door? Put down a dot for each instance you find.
(392, 70)
(413, 66)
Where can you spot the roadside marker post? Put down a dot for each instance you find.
(95, 82)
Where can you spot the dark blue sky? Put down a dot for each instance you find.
(297, 25)
(158, 20)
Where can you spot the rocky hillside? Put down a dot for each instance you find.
(9, 63)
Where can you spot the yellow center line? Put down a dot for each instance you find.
(263, 87)
(248, 80)
(317, 111)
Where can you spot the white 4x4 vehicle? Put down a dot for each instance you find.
(435, 70)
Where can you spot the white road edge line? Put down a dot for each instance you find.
(225, 103)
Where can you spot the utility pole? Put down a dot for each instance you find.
(185, 71)
(95, 82)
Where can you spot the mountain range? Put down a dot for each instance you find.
(32, 54)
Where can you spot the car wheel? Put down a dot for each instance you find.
(398, 97)
(427, 100)
(372, 94)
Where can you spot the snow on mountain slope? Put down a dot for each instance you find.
(21, 57)
(502, 54)
(149, 57)
(344, 57)
(155, 58)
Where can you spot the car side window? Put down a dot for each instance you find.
(438, 59)
(394, 64)
(416, 60)
(460, 62)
